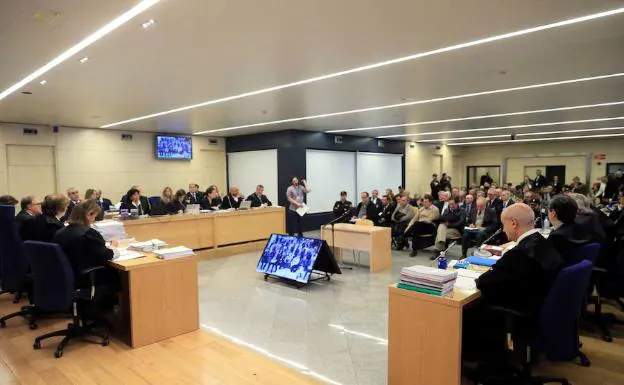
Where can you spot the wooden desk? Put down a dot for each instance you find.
(159, 299)
(210, 230)
(425, 336)
(375, 240)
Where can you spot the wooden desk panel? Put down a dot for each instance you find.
(174, 229)
(160, 298)
(375, 240)
(248, 225)
(425, 336)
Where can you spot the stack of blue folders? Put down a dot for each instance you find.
(426, 279)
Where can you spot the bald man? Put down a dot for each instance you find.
(520, 280)
(233, 199)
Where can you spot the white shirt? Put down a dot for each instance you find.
(528, 233)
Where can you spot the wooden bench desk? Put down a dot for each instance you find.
(375, 240)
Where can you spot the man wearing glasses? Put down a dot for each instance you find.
(30, 208)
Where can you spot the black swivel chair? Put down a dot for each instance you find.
(557, 334)
(54, 291)
(15, 267)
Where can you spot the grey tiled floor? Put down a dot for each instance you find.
(335, 331)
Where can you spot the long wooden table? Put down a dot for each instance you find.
(159, 299)
(210, 230)
(375, 240)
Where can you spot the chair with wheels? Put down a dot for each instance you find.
(15, 267)
(557, 330)
(54, 291)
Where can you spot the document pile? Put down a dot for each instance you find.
(174, 252)
(125, 255)
(110, 230)
(426, 279)
(147, 246)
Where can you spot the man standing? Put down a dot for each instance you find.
(483, 221)
(258, 199)
(342, 207)
(366, 209)
(539, 181)
(295, 195)
(434, 185)
(194, 196)
(557, 186)
(486, 179)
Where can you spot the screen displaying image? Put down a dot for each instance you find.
(174, 147)
(289, 257)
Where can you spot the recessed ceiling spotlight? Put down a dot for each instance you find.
(148, 23)
(43, 82)
(84, 60)
(27, 92)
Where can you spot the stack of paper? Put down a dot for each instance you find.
(110, 229)
(174, 252)
(125, 255)
(426, 279)
(151, 245)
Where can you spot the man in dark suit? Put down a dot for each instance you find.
(233, 199)
(486, 179)
(258, 199)
(557, 186)
(483, 221)
(342, 207)
(566, 235)
(194, 196)
(74, 198)
(506, 199)
(366, 209)
(494, 202)
(520, 280)
(452, 222)
(104, 203)
(469, 207)
(30, 208)
(376, 199)
(387, 209)
(434, 185)
(442, 202)
(539, 181)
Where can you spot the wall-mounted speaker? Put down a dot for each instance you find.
(213, 142)
(29, 131)
(126, 136)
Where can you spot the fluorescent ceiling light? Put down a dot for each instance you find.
(148, 24)
(380, 64)
(439, 140)
(97, 35)
(425, 101)
(503, 127)
(537, 139)
(43, 82)
(480, 117)
(84, 59)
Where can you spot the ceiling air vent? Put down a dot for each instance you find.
(30, 131)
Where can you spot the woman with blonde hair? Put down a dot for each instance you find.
(167, 195)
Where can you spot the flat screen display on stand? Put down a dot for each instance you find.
(295, 258)
(174, 147)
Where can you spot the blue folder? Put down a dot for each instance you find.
(481, 261)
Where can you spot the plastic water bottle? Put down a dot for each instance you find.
(442, 264)
(546, 224)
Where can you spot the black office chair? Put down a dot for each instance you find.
(557, 334)
(609, 284)
(15, 267)
(54, 291)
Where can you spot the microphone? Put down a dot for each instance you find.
(491, 237)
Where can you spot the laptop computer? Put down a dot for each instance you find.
(245, 205)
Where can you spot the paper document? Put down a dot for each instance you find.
(125, 255)
(174, 252)
(465, 283)
(303, 210)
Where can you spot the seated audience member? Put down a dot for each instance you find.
(44, 226)
(613, 185)
(143, 199)
(89, 194)
(258, 199)
(390, 195)
(577, 187)
(104, 203)
(493, 202)
(212, 200)
(402, 215)
(366, 209)
(178, 204)
(454, 192)
(376, 199)
(520, 280)
(74, 199)
(194, 196)
(423, 222)
(8, 200)
(133, 202)
(342, 207)
(483, 219)
(452, 222)
(468, 205)
(387, 209)
(442, 203)
(507, 199)
(30, 208)
(601, 192)
(85, 247)
(617, 216)
(557, 186)
(233, 199)
(480, 194)
(588, 221)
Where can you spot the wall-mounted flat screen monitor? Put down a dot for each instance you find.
(174, 147)
(289, 257)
